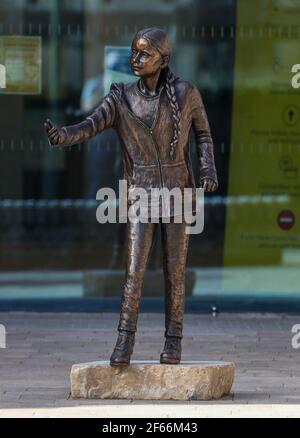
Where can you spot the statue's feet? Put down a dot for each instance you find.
(123, 349)
(171, 353)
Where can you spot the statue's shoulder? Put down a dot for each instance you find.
(116, 90)
(120, 87)
(183, 86)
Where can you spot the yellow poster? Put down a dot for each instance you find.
(20, 57)
(263, 213)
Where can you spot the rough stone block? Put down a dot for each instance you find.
(150, 380)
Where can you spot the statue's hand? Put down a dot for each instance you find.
(55, 134)
(208, 184)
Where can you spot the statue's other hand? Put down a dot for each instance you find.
(55, 134)
(208, 184)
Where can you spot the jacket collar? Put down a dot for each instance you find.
(172, 79)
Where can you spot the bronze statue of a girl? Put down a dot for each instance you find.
(153, 118)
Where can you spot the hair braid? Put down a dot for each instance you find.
(158, 39)
(175, 113)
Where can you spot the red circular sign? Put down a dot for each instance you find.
(286, 219)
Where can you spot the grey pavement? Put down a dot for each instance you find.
(41, 348)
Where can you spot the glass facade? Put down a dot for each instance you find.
(60, 57)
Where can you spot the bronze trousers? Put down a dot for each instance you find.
(140, 241)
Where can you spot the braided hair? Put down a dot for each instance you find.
(159, 39)
(175, 112)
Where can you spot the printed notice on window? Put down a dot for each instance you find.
(21, 58)
(262, 225)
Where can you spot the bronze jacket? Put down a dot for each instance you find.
(146, 160)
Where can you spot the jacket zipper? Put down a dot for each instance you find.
(150, 131)
(159, 166)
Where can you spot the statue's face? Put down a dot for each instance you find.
(145, 60)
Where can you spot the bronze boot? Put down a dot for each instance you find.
(123, 349)
(171, 353)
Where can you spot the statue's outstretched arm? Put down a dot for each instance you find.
(102, 118)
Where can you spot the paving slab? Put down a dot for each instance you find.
(42, 347)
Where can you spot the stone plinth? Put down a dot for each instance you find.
(149, 380)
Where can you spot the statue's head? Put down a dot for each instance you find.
(151, 51)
